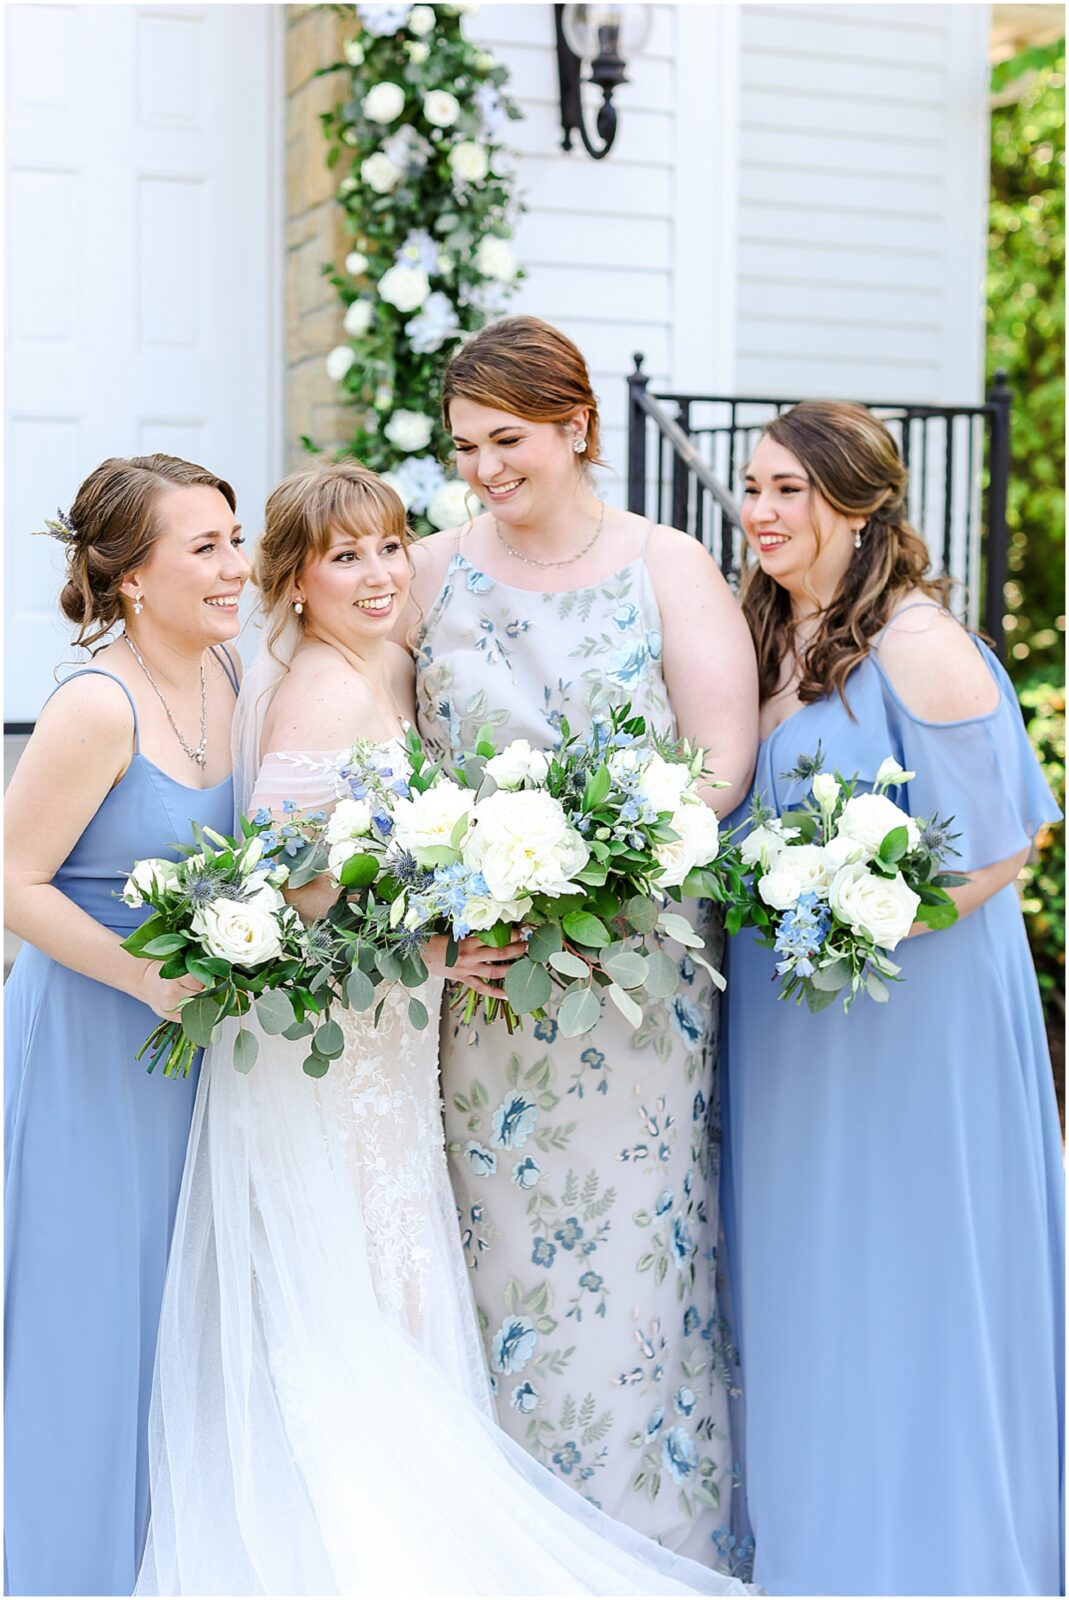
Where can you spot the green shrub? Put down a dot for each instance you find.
(1042, 882)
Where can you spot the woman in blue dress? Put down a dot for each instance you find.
(126, 754)
(893, 1177)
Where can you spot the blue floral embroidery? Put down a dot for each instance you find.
(546, 1030)
(569, 1233)
(688, 1019)
(655, 1423)
(626, 616)
(626, 667)
(567, 1457)
(478, 582)
(524, 1397)
(513, 1344)
(526, 1173)
(682, 1241)
(543, 1252)
(664, 1202)
(684, 1400)
(483, 1162)
(679, 1454)
(513, 1122)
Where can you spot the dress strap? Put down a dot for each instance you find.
(877, 638)
(645, 539)
(226, 660)
(100, 673)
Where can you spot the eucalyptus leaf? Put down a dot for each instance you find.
(587, 929)
(359, 990)
(299, 1030)
(199, 1017)
(628, 968)
(246, 1049)
(528, 985)
(679, 929)
(413, 970)
(329, 1040)
(625, 1004)
(545, 941)
(274, 1011)
(418, 1015)
(642, 913)
(662, 978)
(572, 966)
(832, 978)
(315, 1065)
(821, 999)
(579, 1012)
(388, 965)
(878, 990)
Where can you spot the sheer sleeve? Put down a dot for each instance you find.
(309, 778)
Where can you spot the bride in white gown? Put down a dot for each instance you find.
(321, 1419)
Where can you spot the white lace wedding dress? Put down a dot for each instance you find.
(321, 1420)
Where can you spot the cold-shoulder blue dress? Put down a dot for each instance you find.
(93, 1154)
(893, 1201)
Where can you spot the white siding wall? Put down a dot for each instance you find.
(862, 200)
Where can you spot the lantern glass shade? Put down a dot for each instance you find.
(591, 31)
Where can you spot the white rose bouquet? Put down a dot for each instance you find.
(218, 915)
(836, 884)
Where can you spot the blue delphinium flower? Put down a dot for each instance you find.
(289, 807)
(513, 1344)
(679, 1454)
(513, 1122)
(801, 935)
(262, 817)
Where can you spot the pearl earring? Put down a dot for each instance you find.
(138, 607)
(579, 445)
(857, 539)
(298, 606)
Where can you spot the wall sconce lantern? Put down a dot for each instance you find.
(605, 37)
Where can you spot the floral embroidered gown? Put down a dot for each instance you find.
(585, 1170)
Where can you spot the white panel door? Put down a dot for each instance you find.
(142, 306)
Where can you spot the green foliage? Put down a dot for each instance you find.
(428, 197)
(1025, 336)
(1043, 880)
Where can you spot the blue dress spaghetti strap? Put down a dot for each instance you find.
(893, 1202)
(93, 1154)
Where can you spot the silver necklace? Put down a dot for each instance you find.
(200, 753)
(530, 561)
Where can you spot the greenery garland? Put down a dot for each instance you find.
(429, 197)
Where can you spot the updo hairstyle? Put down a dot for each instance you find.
(851, 458)
(115, 526)
(300, 518)
(528, 367)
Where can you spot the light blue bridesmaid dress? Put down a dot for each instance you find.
(93, 1154)
(894, 1208)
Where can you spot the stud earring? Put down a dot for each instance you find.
(298, 606)
(579, 445)
(138, 607)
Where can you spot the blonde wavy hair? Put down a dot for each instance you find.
(852, 461)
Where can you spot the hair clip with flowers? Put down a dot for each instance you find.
(62, 528)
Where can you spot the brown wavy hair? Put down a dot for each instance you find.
(852, 460)
(115, 526)
(528, 367)
(300, 518)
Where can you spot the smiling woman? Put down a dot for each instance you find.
(125, 755)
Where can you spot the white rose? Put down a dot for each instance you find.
(495, 259)
(384, 103)
(354, 52)
(623, 765)
(842, 852)
(662, 782)
(350, 819)
(518, 764)
(808, 864)
(881, 909)
(890, 772)
(469, 161)
(426, 821)
(421, 20)
(869, 818)
(404, 287)
(246, 934)
(445, 264)
(765, 844)
(266, 897)
(481, 911)
(148, 878)
(339, 361)
(825, 790)
(399, 487)
(348, 186)
(409, 430)
(449, 505)
(484, 61)
(417, 51)
(380, 173)
(356, 262)
(696, 846)
(780, 889)
(523, 844)
(358, 318)
(441, 108)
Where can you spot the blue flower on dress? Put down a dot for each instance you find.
(688, 1019)
(684, 1400)
(664, 1202)
(513, 1122)
(681, 1241)
(700, 1107)
(479, 582)
(627, 667)
(691, 1320)
(594, 1059)
(686, 969)
(569, 1233)
(483, 1162)
(526, 1173)
(524, 1397)
(679, 1454)
(654, 1423)
(592, 1281)
(513, 1344)
(654, 643)
(567, 1457)
(543, 1252)
(625, 616)
(546, 1030)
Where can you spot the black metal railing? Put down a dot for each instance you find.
(687, 454)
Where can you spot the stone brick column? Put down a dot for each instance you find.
(315, 231)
